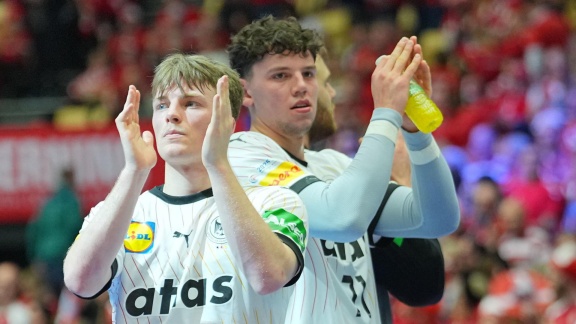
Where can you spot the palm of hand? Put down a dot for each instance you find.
(215, 145)
(138, 149)
(138, 152)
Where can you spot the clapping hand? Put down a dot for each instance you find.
(215, 147)
(138, 147)
(392, 75)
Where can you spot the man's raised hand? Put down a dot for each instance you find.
(215, 147)
(138, 148)
(392, 75)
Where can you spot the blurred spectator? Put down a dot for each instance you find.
(517, 242)
(94, 83)
(234, 15)
(521, 293)
(469, 268)
(563, 266)
(553, 168)
(474, 109)
(33, 290)
(486, 198)
(479, 160)
(94, 89)
(517, 295)
(541, 208)
(51, 233)
(207, 38)
(381, 36)
(15, 50)
(12, 309)
(59, 48)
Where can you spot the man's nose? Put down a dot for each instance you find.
(173, 114)
(300, 85)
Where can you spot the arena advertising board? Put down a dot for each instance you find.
(34, 155)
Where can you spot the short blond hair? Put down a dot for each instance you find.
(196, 71)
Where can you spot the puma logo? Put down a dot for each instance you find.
(239, 139)
(178, 234)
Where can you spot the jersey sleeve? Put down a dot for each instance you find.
(286, 216)
(121, 252)
(427, 210)
(430, 208)
(118, 261)
(259, 161)
(342, 208)
(327, 164)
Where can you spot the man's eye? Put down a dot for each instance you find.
(309, 74)
(191, 104)
(161, 106)
(279, 76)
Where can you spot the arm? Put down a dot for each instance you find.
(267, 262)
(401, 172)
(430, 209)
(343, 208)
(411, 269)
(360, 185)
(87, 264)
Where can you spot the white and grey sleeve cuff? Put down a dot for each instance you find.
(385, 122)
(422, 148)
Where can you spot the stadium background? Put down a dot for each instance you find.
(504, 75)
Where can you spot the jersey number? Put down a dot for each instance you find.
(350, 281)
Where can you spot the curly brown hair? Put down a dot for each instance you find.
(269, 35)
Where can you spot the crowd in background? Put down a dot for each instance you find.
(504, 76)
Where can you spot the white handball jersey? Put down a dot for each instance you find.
(337, 284)
(176, 265)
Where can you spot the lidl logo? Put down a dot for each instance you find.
(283, 175)
(140, 237)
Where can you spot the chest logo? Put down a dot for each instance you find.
(214, 231)
(139, 237)
(185, 236)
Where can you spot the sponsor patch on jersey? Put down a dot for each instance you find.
(282, 175)
(214, 231)
(139, 237)
(290, 225)
(265, 166)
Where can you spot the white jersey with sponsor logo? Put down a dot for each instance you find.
(176, 265)
(337, 284)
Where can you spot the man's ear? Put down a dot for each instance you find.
(247, 101)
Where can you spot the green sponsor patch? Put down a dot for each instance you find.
(290, 225)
